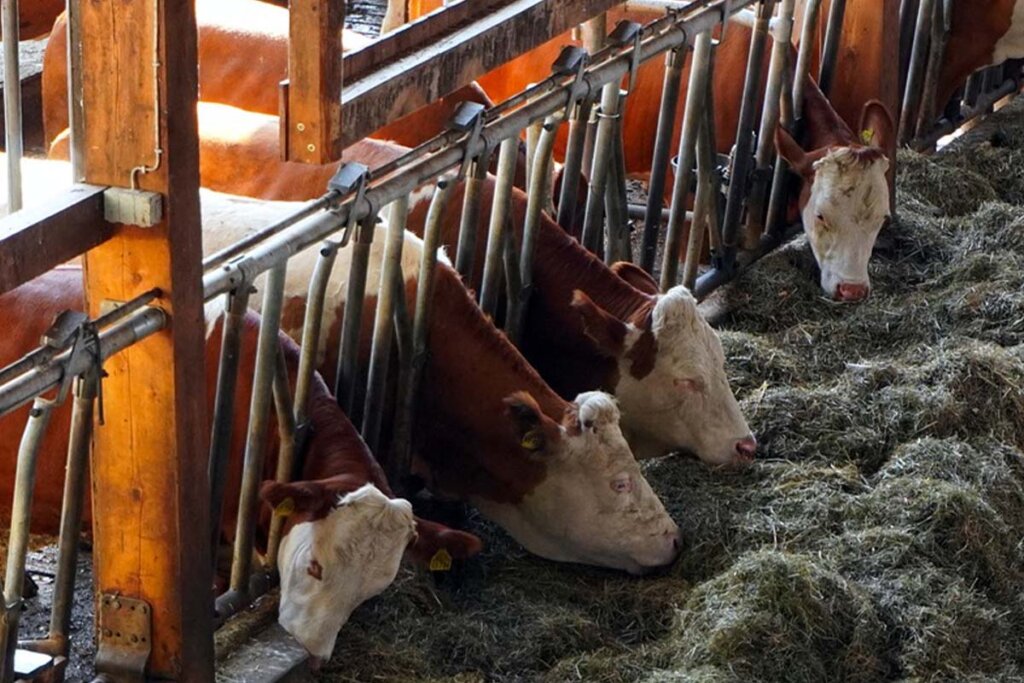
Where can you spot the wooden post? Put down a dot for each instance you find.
(314, 81)
(150, 494)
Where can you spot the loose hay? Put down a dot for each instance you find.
(881, 534)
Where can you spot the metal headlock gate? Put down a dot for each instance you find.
(742, 220)
(925, 27)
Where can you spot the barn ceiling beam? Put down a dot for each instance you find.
(426, 60)
(37, 239)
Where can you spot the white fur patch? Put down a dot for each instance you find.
(1011, 45)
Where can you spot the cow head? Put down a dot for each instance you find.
(340, 549)
(593, 504)
(671, 377)
(844, 201)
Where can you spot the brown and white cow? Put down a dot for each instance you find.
(345, 534)
(558, 476)
(36, 17)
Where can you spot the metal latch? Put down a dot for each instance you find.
(125, 637)
(468, 118)
(349, 177)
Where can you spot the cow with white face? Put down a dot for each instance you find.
(339, 551)
(844, 200)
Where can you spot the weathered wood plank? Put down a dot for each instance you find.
(39, 238)
(150, 494)
(386, 81)
(314, 92)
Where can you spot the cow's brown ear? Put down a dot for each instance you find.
(533, 428)
(636, 276)
(606, 331)
(790, 150)
(876, 125)
(314, 497)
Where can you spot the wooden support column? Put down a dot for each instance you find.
(150, 494)
(313, 128)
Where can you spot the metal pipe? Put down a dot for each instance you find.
(758, 197)
(259, 418)
(937, 50)
(604, 140)
(830, 50)
(696, 93)
(716, 277)
(13, 133)
(705, 209)
(654, 216)
(224, 409)
(513, 282)
(31, 384)
(573, 166)
(743, 151)
(75, 479)
(383, 332)
(312, 324)
(616, 199)
(287, 450)
(21, 518)
(469, 222)
(708, 160)
(220, 256)
(496, 231)
(908, 19)
(915, 76)
(346, 379)
(531, 226)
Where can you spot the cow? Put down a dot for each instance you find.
(36, 17)
(559, 476)
(243, 56)
(341, 506)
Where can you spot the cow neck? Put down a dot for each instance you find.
(463, 432)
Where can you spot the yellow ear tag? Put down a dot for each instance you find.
(441, 561)
(867, 135)
(533, 440)
(285, 507)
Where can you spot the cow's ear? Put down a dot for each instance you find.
(877, 128)
(606, 331)
(314, 497)
(636, 276)
(790, 150)
(534, 430)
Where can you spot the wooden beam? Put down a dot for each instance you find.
(39, 238)
(314, 90)
(150, 489)
(378, 93)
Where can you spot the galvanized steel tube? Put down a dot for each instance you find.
(604, 140)
(696, 94)
(312, 324)
(915, 76)
(674, 62)
(573, 166)
(259, 421)
(830, 50)
(21, 518)
(616, 200)
(12, 103)
(383, 331)
(937, 49)
(286, 450)
(499, 218)
(346, 379)
(465, 252)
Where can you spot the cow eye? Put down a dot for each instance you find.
(622, 484)
(689, 384)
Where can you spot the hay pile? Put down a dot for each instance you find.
(881, 535)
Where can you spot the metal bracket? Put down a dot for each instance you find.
(349, 177)
(571, 60)
(625, 34)
(726, 13)
(469, 117)
(125, 638)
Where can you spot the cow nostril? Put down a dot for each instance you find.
(849, 291)
(746, 447)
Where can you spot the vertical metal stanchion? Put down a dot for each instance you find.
(496, 232)
(12, 103)
(915, 75)
(603, 142)
(830, 50)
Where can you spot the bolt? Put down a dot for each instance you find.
(300, 127)
(310, 147)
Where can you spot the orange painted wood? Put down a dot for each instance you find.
(150, 495)
(314, 81)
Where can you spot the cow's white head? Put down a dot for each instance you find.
(593, 505)
(671, 383)
(339, 551)
(844, 202)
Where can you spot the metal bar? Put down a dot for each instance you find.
(830, 50)
(616, 244)
(674, 62)
(573, 166)
(743, 151)
(312, 324)
(286, 451)
(224, 408)
(603, 142)
(13, 133)
(908, 19)
(513, 282)
(31, 384)
(465, 252)
(758, 198)
(716, 277)
(936, 51)
(259, 418)
(695, 94)
(915, 77)
(383, 332)
(71, 512)
(311, 209)
(705, 205)
(346, 379)
(531, 225)
(21, 517)
(499, 215)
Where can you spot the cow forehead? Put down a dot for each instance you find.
(850, 189)
(685, 337)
